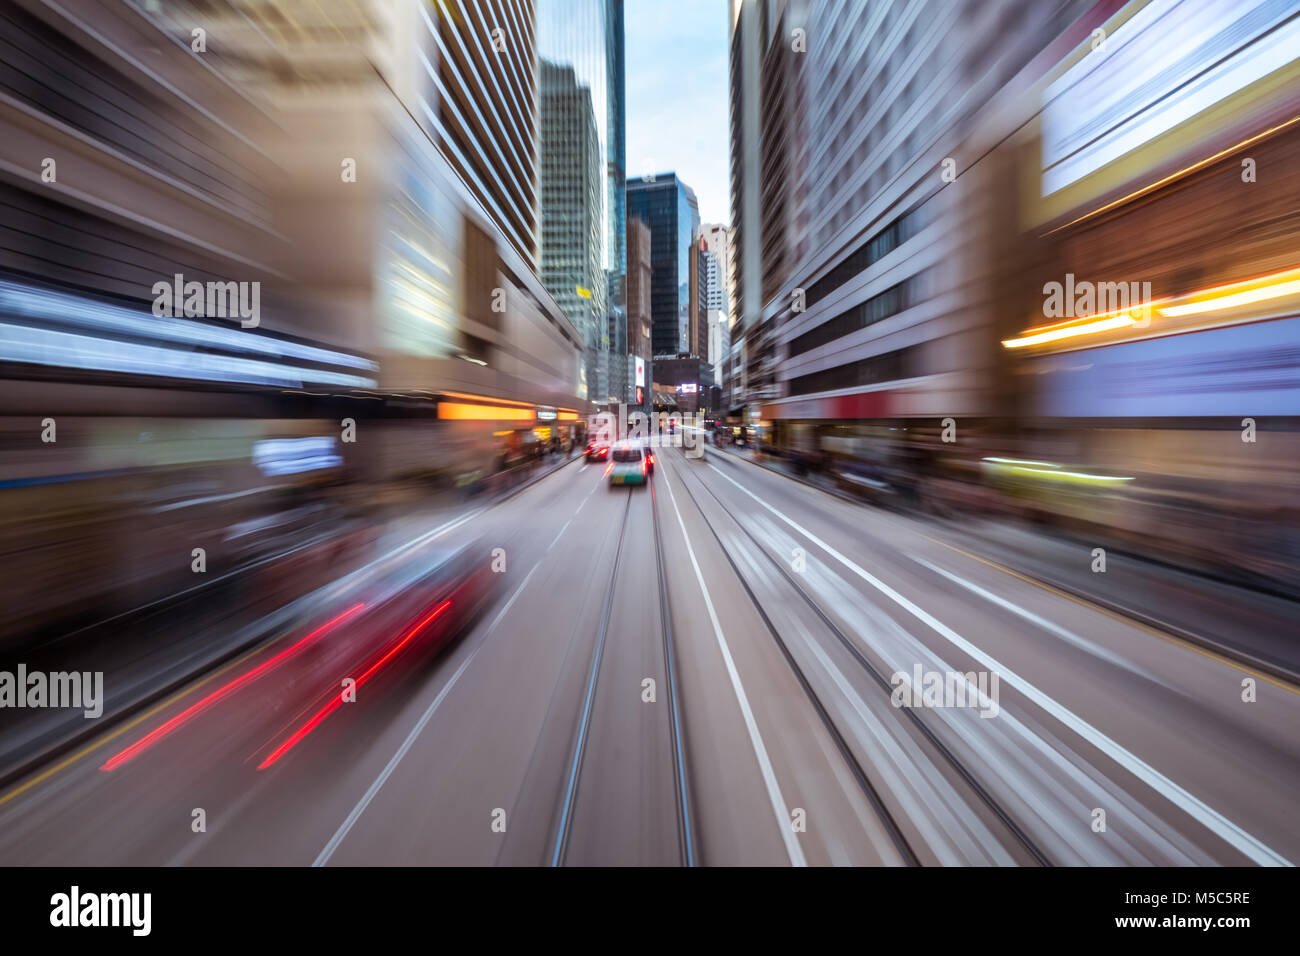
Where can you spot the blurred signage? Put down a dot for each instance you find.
(640, 371)
(688, 388)
(1251, 369)
(640, 395)
(1169, 62)
(546, 414)
(96, 336)
(291, 456)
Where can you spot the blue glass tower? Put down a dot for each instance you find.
(669, 208)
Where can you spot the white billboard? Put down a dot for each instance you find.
(1170, 61)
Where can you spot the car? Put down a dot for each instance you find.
(647, 449)
(628, 465)
(597, 450)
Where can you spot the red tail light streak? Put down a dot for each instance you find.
(337, 699)
(164, 730)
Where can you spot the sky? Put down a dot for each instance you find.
(677, 93)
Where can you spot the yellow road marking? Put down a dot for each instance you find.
(91, 748)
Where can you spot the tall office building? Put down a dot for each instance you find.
(622, 368)
(360, 132)
(768, 115)
(669, 208)
(717, 254)
(580, 45)
(713, 239)
(698, 285)
(718, 331)
(481, 107)
(864, 243)
(573, 201)
(638, 310)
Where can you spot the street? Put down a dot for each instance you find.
(701, 671)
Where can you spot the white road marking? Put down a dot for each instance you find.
(793, 850)
(1206, 815)
(370, 794)
(562, 530)
(387, 772)
(1050, 626)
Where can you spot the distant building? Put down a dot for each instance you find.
(688, 379)
(719, 344)
(715, 239)
(697, 336)
(669, 208)
(638, 310)
(715, 301)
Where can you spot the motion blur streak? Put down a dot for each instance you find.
(144, 743)
(968, 340)
(337, 699)
(1209, 817)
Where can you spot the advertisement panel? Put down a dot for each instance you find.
(1137, 85)
(1241, 370)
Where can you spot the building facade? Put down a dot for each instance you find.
(769, 47)
(669, 208)
(880, 258)
(584, 141)
(388, 241)
(573, 192)
(1170, 380)
(639, 315)
(713, 242)
(480, 104)
(716, 246)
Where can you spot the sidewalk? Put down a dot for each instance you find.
(1250, 626)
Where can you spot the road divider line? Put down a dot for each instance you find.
(1051, 627)
(341, 833)
(792, 848)
(1193, 806)
(396, 759)
(1174, 639)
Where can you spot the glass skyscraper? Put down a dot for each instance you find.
(668, 206)
(582, 221)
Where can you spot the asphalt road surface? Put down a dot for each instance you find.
(700, 671)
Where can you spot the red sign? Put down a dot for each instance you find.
(860, 405)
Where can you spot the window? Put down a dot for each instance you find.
(885, 367)
(878, 307)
